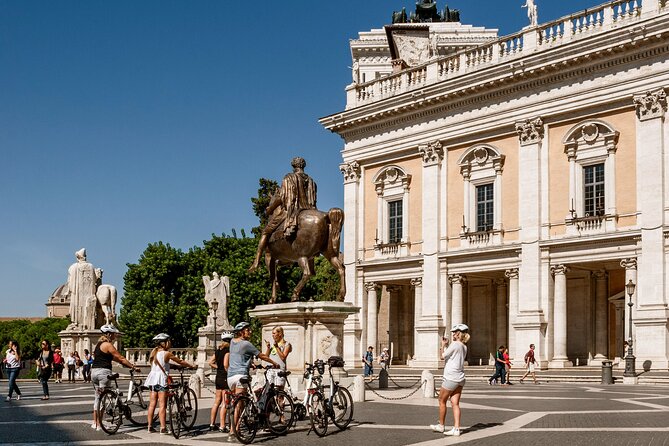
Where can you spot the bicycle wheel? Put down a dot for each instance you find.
(341, 408)
(175, 415)
(188, 409)
(279, 412)
(245, 416)
(138, 405)
(109, 414)
(318, 415)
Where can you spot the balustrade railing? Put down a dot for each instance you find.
(585, 23)
(140, 356)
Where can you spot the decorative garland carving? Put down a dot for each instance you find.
(530, 131)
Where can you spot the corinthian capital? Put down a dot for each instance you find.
(530, 131)
(651, 104)
(432, 153)
(559, 269)
(351, 171)
(454, 279)
(371, 286)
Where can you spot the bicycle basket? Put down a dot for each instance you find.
(320, 366)
(336, 361)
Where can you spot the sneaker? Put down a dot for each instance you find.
(453, 432)
(166, 431)
(99, 428)
(437, 428)
(224, 429)
(9, 398)
(18, 397)
(213, 427)
(152, 429)
(93, 426)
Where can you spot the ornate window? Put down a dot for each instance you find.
(392, 190)
(481, 168)
(590, 147)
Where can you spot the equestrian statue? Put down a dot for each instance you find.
(297, 232)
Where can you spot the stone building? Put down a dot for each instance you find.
(58, 304)
(515, 184)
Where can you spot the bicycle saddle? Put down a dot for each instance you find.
(114, 376)
(244, 380)
(283, 374)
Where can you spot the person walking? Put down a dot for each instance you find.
(500, 367)
(88, 361)
(454, 377)
(71, 366)
(368, 360)
(221, 399)
(58, 365)
(156, 380)
(530, 364)
(45, 362)
(105, 353)
(12, 363)
(507, 365)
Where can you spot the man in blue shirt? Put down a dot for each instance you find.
(241, 355)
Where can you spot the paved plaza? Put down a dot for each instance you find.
(527, 414)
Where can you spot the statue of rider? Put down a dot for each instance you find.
(297, 193)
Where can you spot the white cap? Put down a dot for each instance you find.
(459, 327)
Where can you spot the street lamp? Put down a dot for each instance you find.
(630, 360)
(214, 308)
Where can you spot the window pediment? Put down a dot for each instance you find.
(590, 139)
(482, 160)
(391, 177)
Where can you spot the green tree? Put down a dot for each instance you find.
(266, 189)
(29, 334)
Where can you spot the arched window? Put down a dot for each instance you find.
(481, 168)
(590, 147)
(392, 190)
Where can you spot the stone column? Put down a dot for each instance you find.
(372, 314)
(560, 359)
(501, 335)
(417, 285)
(630, 274)
(601, 317)
(515, 351)
(650, 313)
(352, 201)
(457, 311)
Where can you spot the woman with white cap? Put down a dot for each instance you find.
(384, 358)
(217, 362)
(454, 377)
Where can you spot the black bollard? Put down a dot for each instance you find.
(383, 379)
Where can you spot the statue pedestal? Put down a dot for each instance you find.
(205, 347)
(79, 340)
(314, 329)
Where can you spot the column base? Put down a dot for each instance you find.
(597, 362)
(560, 364)
(631, 380)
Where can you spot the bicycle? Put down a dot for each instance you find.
(113, 408)
(340, 402)
(181, 404)
(269, 408)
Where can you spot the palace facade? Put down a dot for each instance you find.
(515, 184)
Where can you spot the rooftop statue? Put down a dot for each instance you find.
(298, 232)
(426, 12)
(532, 13)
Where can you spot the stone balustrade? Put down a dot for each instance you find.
(505, 49)
(140, 356)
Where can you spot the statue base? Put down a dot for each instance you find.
(205, 347)
(314, 329)
(79, 340)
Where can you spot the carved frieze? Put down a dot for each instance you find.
(530, 131)
(351, 171)
(651, 104)
(432, 153)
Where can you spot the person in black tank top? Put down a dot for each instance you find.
(105, 353)
(217, 362)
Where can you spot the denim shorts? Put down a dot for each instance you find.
(158, 388)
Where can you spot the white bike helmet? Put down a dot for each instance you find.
(227, 336)
(161, 337)
(109, 328)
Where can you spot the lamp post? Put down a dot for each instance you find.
(214, 308)
(630, 360)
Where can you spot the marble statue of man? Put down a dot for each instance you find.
(531, 12)
(217, 288)
(81, 282)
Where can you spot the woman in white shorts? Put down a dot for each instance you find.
(454, 377)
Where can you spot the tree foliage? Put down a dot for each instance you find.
(164, 292)
(30, 334)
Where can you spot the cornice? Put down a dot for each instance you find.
(586, 56)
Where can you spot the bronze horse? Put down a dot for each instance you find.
(317, 233)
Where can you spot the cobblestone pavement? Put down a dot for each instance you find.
(527, 414)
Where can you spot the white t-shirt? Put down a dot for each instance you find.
(12, 360)
(71, 360)
(455, 354)
(156, 376)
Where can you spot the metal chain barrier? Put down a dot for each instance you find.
(389, 398)
(403, 387)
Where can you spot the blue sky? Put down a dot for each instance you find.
(129, 122)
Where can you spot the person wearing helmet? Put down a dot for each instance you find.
(454, 377)
(156, 380)
(105, 353)
(217, 362)
(241, 354)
